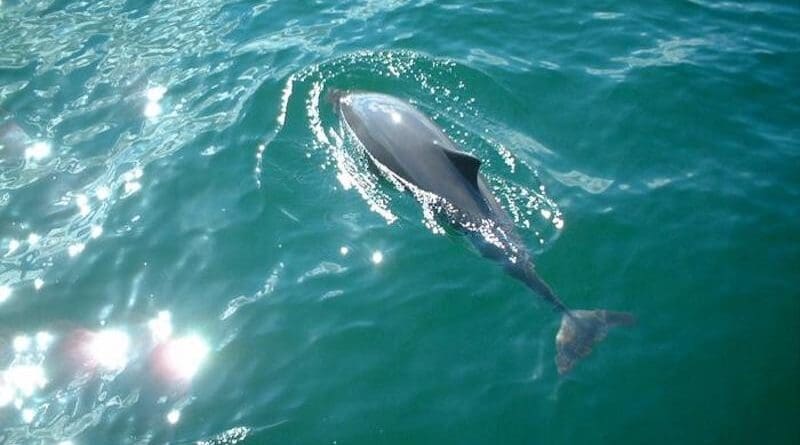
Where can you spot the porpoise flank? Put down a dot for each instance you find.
(406, 144)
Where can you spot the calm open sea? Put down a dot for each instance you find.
(192, 249)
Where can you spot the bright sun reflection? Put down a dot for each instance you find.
(37, 151)
(173, 416)
(75, 249)
(43, 340)
(5, 292)
(28, 415)
(102, 193)
(21, 343)
(152, 109)
(161, 326)
(6, 393)
(13, 245)
(82, 201)
(156, 93)
(33, 239)
(95, 231)
(25, 375)
(131, 178)
(21, 380)
(154, 96)
(109, 349)
(182, 357)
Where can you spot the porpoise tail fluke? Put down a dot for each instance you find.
(580, 330)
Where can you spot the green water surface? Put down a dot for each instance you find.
(179, 158)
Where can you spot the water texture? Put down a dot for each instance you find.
(194, 250)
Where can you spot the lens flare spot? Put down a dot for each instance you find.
(33, 239)
(6, 393)
(21, 343)
(377, 257)
(82, 201)
(109, 349)
(5, 292)
(43, 340)
(25, 379)
(156, 93)
(37, 151)
(75, 249)
(132, 187)
(344, 250)
(28, 415)
(133, 174)
(102, 193)
(173, 416)
(181, 358)
(38, 283)
(95, 231)
(154, 96)
(152, 109)
(13, 245)
(161, 326)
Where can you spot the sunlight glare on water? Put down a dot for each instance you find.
(38, 151)
(5, 292)
(195, 248)
(173, 416)
(161, 326)
(181, 358)
(109, 349)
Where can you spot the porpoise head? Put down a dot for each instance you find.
(335, 95)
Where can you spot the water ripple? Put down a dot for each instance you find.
(431, 84)
(193, 248)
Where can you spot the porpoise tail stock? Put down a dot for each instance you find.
(580, 330)
(413, 149)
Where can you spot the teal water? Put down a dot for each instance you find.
(189, 239)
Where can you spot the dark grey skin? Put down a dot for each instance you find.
(405, 143)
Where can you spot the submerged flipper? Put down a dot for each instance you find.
(580, 330)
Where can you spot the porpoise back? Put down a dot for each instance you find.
(413, 147)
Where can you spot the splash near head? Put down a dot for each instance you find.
(440, 87)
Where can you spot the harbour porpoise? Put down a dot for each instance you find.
(408, 146)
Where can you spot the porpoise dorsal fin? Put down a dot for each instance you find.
(467, 164)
